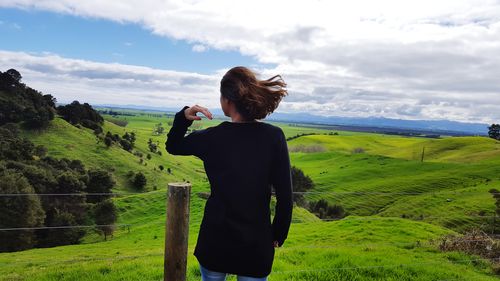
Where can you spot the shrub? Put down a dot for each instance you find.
(139, 181)
(326, 211)
(358, 150)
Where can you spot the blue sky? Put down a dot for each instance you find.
(410, 60)
(107, 41)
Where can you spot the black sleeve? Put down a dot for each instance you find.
(282, 182)
(192, 144)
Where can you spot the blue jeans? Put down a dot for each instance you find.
(207, 275)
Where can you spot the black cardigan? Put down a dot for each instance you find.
(242, 161)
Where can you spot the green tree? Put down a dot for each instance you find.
(99, 181)
(59, 236)
(84, 114)
(106, 215)
(14, 74)
(300, 183)
(158, 129)
(108, 141)
(18, 212)
(126, 144)
(494, 131)
(153, 147)
(139, 181)
(13, 147)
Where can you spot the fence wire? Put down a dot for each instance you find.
(311, 194)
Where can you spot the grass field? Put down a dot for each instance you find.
(378, 179)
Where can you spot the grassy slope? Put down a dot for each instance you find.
(334, 247)
(451, 191)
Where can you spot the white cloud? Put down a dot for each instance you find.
(199, 48)
(407, 59)
(99, 83)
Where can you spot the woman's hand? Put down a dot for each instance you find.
(190, 112)
(275, 244)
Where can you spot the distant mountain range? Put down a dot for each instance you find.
(429, 126)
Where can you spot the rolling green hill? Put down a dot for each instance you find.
(384, 180)
(377, 187)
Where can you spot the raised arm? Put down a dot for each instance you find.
(282, 182)
(193, 144)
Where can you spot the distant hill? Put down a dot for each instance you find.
(380, 122)
(365, 123)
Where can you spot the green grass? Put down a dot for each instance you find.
(368, 249)
(372, 243)
(448, 149)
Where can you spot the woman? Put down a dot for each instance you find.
(244, 159)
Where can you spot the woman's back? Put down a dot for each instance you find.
(243, 160)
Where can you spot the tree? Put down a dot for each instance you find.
(494, 131)
(300, 183)
(18, 211)
(108, 141)
(14, 74)
(126, 145)
(19, 103)
(139, 181)
(326, 211)
(99, 181)
(84, 114)
(105, 216)
(59, 236)
(158, 129)
(153, 147)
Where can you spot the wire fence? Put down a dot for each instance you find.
(360, 200)
(117, 194)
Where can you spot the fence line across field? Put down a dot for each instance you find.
(65, 227)
(438, 192)
(177, 228)
(299, 221)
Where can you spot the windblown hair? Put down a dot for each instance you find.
(254, 99)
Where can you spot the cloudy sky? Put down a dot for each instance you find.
(397, 59)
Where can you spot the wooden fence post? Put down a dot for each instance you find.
(176, 231)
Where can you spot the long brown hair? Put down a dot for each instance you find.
(254, 99)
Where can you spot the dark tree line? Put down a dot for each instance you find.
(22, 104)
(127, 141)
(83, 114)
(299, 135)
(115, 113)
(24, 169)
(494, 131)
